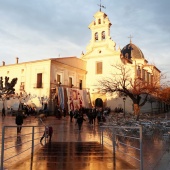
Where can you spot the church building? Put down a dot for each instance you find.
(71, 82)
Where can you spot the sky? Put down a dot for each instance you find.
(40, 29)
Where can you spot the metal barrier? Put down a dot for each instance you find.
(118, 137)
(110, 136)
(13, 150)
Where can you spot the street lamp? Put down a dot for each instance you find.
(124, 99)
(59, 83)
(42, 100)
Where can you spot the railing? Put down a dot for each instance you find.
(15, 145)
(123, 139)
(14, 150)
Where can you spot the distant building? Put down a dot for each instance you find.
(72, 82)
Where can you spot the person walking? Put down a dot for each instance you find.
(19, 122)
(80, 120)
(64, 112)
(71, 115)
(3, 111)
(48, 132)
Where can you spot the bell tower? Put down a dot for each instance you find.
(100, 42)
(100, 27)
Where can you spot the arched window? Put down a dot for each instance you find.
(139, 72)
(99, 21)
(96, 36)
(103, 35)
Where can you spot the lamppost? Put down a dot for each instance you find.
(42, 102)
(124, 99)
(59, 83)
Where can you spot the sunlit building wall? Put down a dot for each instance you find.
(40, 79)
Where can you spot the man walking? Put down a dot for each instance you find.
(80, 120)
(19, 122)
(71, 115)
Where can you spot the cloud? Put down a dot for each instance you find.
(40, 29)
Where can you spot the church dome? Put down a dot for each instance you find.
(132, 51)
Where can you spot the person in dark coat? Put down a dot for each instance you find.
(71, 115)
(19, 122)
(3, 111)
(80, 120)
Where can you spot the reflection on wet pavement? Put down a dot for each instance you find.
(67, 152)
(74, 156)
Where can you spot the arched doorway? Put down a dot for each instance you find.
(99, 103)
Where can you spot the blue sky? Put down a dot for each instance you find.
(39, 29)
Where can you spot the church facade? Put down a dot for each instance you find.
(101, 55)
(71, 82)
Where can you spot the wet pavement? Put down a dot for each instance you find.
(82, 150)
(73, 156)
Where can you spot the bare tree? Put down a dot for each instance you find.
(7, 88)
(164, 95)
(126, 81)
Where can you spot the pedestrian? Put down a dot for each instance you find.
(19, 122)
(71, 115)
(3, 111)
(64, 112)
(48, 132)
(76, 113)
(80, 120)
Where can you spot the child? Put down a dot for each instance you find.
(47, 132)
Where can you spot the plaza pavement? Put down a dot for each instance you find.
(155, 151)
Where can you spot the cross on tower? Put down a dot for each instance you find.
(101, 6)
(130, 38)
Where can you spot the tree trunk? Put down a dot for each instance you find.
(136, 111)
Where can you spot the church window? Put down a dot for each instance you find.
(99, 67)
(70, 82)
(22, 70)
(148, 77)
(103, 35)
(143, 74)
(99, 21)
(151, 79)
(80, 84)
(96, 36)
(39, 80)
(22, 86)
(138, 72)
(58, 78)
